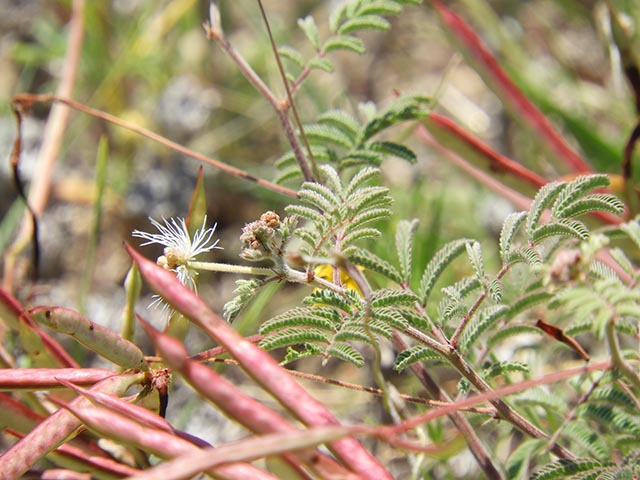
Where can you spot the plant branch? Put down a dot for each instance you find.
(465, 320)
(52, 141)
(283, 106)
(27, 99)
(619, 363)
(215, 33)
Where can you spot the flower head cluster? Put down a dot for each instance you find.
(260, 239)
(179, 248)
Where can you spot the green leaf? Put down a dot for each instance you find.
(543, 199)
(344, 42)
(338, 16)
(292, 55)
(511, 331)
(562, 227)
(293, 336)
(387, 296)
(495, 290)
(324, 64)
(298, 317)
(365, 22)
(307, 213)
(342, 121)
(372, 262)
(380, 7)
(413, 355)
(404, 247)
(437, 264)
(576, 189)
(308, 26)
(359, 179)
(509, 229)
(197, 206)
(319, 196)
(591, 203)
(518, 463)
(404, 108)
(480, 323)
(346, 352)
(392, 316)
(319, 133)
(474, 252)
(395, 150)
(564, 468)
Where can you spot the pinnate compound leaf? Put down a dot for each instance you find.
(298, 317)
(509, 229)
(323, 133)
(564, 468)
(341, 120)
(346, 352)
(404, 108)
(563, 227)
(543, 199)
(404, 247)
(590, 203)
(437, 264)
(323, 64)
(293, 336)
(292, 55)
(394, 149)
(372, 262)
(310, 29)
(414, 354)
(474, 252)
(387, 296)
(364, 22)
(344, 42)
(481, 323)
(576, 189)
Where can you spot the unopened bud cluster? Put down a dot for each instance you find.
(261, 239)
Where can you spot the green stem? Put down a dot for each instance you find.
(229, 268)
(619, 362)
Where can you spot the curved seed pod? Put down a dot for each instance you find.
(93, 336)
(46, 378)
(52, 431)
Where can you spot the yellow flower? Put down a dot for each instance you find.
(325, 271)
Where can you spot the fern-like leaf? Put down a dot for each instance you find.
(388, 297)
(565, 468)
(562, 227)
(590, 203)
(402, 109)
(342, 121)
(412, 355)
(372, 262)
(480, 323)
(364, 22)
(310, 29)
(437, 264)
(322, 134)
(395, 150)
(298, 317)
(404, 247)
(293, 336)
(346, 352)
(576, 189)
(509, 229)
(474, 252)
(543, 199)
(344, 42)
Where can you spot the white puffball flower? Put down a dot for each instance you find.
(179, 247)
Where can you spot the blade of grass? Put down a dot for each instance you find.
(490, 68)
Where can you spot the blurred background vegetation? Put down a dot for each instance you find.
(149, 62)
